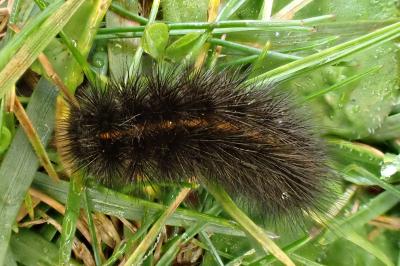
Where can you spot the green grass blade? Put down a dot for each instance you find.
(342, 83)
(190, 232)
(78, 42)
(211, 248)
(375, 207)
(229, 9)
(34, 38)
(30, 248)
(369, 247)
(247, 224)
(92, 230)
(71, 217)
(121, 250)
(138, 254)
(330, 55)
(120, 205)
(305, 261)
(123, 12)
(20, 163)
(20, 39)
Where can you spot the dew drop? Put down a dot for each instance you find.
(74, 43)
(285, 195)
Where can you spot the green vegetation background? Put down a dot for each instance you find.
(343, 67)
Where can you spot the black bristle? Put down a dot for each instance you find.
(173, 125)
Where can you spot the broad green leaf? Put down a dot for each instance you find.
(390, 129)
(155, 39)
(10, 261)
(30, 248)
(182, 46)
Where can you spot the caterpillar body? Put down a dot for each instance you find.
(175, 124)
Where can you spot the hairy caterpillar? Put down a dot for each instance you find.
(176, 124)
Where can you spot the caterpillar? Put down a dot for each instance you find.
(174, 124)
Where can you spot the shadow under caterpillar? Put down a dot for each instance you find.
(174, 124)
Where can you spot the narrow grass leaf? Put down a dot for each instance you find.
(247, 224)
(138, 254)
(20, 39)
(179, 48)
(369, 247)
(375, 207)
(92, 229)
(113, 203)
(211, 248)
(155, 39)
(39, 33)
(72, 211)
(229, 9)
(330, 55)
(174, 247)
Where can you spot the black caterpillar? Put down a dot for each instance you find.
(177, 124)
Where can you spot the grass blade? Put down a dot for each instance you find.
(136, 257)
(40, 33)
(330, 55)
(113, 203)
(70, 219)
(247, 224)
(20, 163)
(92, 229)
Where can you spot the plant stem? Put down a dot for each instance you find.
(123, 12)
(251, 50)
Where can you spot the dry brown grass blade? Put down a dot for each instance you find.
(106, 230)
(288, 11)
(34, 139)
(60, 209)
